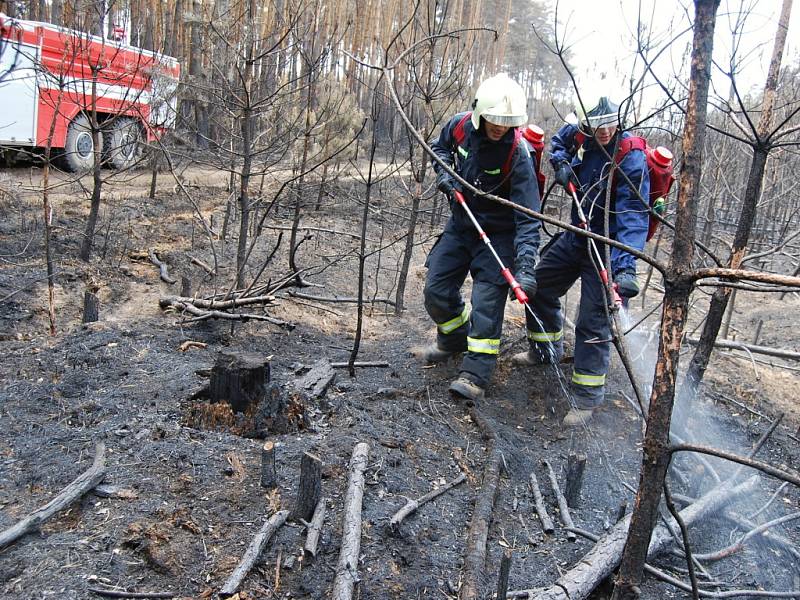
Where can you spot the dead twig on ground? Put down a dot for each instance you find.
(765, 350)
(163, 271)
(413, 505)
(603, 558)
(563, 508)
(376, 364)
(79, 486)
(202, 311)
(124, 594)
(253, 551)
(196, 261)
(340, 299)
(541, 509)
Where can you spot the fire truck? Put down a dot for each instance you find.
(55, 83)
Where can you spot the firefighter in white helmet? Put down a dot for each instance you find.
(486, 149)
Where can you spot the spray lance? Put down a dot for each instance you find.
(599, 264)
(520, 294)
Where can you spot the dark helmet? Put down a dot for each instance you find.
(598, 112)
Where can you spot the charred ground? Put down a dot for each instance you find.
(195, 499)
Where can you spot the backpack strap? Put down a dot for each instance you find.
(506, 168)
(625, 146)
(458, 131)
(628, 144)
(578, 140)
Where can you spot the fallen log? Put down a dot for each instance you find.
(734, 345)
(314, 529)
(604, 557)
(252, 553)
(166, 301)
(475, 552)
(79, 486)
(347, 568)
(412, 505)
(665, 577)
(541, 509)
(163, 271)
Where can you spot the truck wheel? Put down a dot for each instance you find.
(79, 148)
(123, 143)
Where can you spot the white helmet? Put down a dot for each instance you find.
(599, 111)
(501, 101)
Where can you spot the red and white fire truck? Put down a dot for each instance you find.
(52, 79)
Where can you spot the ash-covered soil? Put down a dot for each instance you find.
(192, 499)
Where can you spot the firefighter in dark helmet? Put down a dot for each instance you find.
(578, 157)
(486, 149)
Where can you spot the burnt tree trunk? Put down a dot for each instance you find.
(239, 379)
(309, 488)
(678, 286)
(269, 476)
(91, 307)
(752, 195)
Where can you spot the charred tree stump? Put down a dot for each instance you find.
(347, 568)
(309, 488)
(186, 287)
(622, 511)
(91, 307)
(576, 463)
(239, 379)
(502, 581)
(269, 477)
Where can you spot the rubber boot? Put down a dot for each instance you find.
(532, 358)
(466, 388)
(432, 353)
(578, 416)
(525, 359)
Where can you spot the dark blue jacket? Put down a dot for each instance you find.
(628, 217)
(479, 161)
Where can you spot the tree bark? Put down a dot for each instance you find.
(678, 285)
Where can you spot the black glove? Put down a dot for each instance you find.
(444, 183)
(627, 284)
(526, 277)
(564, 175)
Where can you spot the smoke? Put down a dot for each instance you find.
(698, 421)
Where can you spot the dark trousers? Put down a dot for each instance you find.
(560, 266)
(478, 332)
